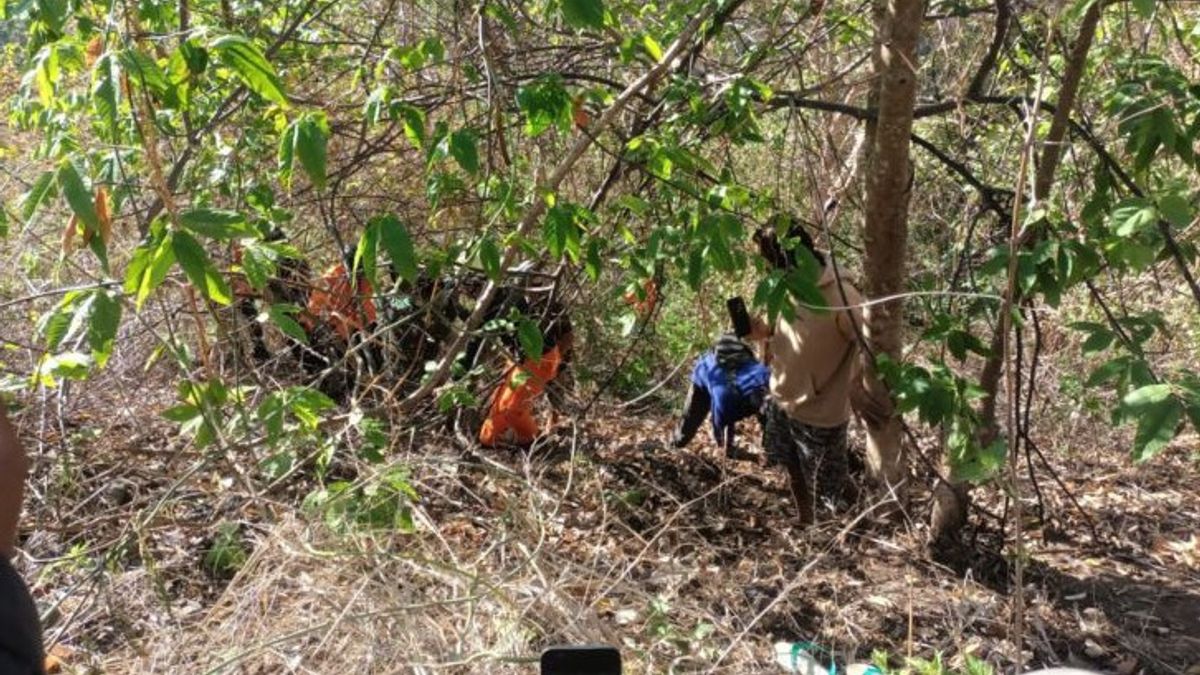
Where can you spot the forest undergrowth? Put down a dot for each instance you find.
(687, 561)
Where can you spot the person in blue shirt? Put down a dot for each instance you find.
(728, 382)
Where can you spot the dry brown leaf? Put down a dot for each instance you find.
(104, 214)
(579, 113)
(94, 48)
(68, 236)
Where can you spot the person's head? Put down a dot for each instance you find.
(781, 253)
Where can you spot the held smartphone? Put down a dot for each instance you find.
(581, 660)
(739, 316)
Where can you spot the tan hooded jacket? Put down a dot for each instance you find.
(814, 359)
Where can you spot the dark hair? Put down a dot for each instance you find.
(781, 255)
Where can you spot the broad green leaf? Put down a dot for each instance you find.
(414, 126)
(55, 326)
(1156, 426)
(247, 61)
(77, 195)
(1144, 7)
(199, 269)
(312, 135)
(181, 413)
(399, 246)
(41, 188)
(283, 316)
(584, 13)
(1176, 209)
(102, 330)
(159, 263)
(194, 56)
(464, 150)
(652, 47)
(287, 154)
(52, 12)
(218, 224)
(489, 257)
(106, 90)
(593, 264)
(143, 70)
(530, 337)
(1146, 397)
(545, 103)
(258, 264)
(1132, 216)
(367, 252)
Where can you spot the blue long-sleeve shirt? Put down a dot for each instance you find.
(735, 394)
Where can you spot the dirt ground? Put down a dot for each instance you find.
(687, 561)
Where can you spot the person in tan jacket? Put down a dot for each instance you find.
(814, 364)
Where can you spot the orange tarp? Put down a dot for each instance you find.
(511, 417)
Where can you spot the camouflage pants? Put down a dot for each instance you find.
(819, 454)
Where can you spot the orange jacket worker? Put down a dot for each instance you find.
(511, 420)
(333, 302)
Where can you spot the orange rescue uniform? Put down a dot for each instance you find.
(647, 304)
(333, 302)
(511, 419)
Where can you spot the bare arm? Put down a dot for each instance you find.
(13, 467)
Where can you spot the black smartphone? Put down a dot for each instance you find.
(739, 315)
(581, 660)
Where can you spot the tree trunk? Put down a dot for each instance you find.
(888, 179)
(951, 501)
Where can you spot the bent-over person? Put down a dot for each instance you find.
(814, 364)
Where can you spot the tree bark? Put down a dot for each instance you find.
(951, 500)
(888, 180)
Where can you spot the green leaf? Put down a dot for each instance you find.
(464, 150)
(1156, 427)
(584, 13)
(1146, 397)
(593, 264)
(102, 329)
(247, 61)
(106, 90)
(399, 246)
(218, 224)
(1176, 209)
(545, 103)
(199, 269)
(367, 252)
(652, 47)
(194, 56)
(530, 337)
(287, 154)
(1098, 341)
(311, 138)
(143, 70)
(1144, 7)
(77, 194)
(181, 413)
(258, 264)
(283, 316)
(1132, 216)
(160, 261)
(38, 192)
(414, 126)
(489, 257)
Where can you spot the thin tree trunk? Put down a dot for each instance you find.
(950, 501)
(888, 187)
